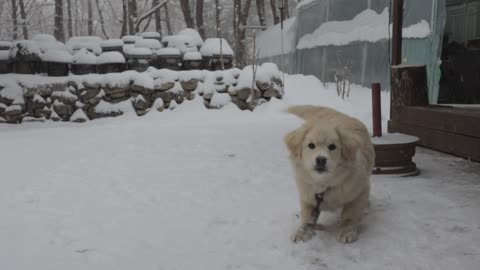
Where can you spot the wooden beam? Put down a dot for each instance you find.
(397, 18)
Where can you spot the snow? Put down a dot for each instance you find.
(132, 51)
(195, 38)
(394, 138)
(91, 43)
(44, 38)
(182, 43)
(38, 99)
(4, 55)
(110, 58)
(65, 95)
(7, 44)
(152, 44)
(15, 107)
(150, 35)
(192, 56)
(84, 57)
(109, 43)
(168, 51)
(305, 3)
(31, 46)
(212, 47)
(79, 114)
(367, 26)
(105, 107)
(213, 189)
(269, 41)
(57, 56)
(130, 39)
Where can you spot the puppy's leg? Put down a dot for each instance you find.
(351, 218)
(308, 217)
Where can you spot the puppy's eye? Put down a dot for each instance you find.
(332, 147)
(311, 146)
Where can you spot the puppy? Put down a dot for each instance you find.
(332, 156)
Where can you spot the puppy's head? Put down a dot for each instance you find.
(320, 148)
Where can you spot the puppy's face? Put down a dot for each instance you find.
(316, 148)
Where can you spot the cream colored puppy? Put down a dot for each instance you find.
(332, 157)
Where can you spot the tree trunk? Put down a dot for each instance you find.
(158, 17)
(187, 14)
(261, 12)
(132, 15)
(276, 17)
(218, 14)
(14, 20)
(90, 17)
(23, 14)
(167, 18)
(69, 23)
(124, 18)
(199, 18)
(59, 32)
(102, 20)
(240, 20)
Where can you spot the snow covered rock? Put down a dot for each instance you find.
(79, 116)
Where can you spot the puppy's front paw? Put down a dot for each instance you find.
(347, 235)
(303, 233)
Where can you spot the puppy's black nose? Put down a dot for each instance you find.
(321, 161)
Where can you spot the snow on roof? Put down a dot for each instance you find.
(150, 35)
(192, 56)
(269, 41)
(84, 57)
(111, 43)
(57, 56)
(152, 44)
(131, 39)
(366, 26)
(137, 51)
(168, 51)
(30, 46)
(4, 55)
(44, 38)
(211, 47)
(5, 44)
(110, 58)
(195, 38)
(182, 43)
(91, 43)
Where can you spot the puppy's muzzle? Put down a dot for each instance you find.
(321, 164)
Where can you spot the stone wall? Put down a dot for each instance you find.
(88, 97)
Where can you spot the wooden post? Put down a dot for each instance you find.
(397, 18)
(409, 87)
(376, 110)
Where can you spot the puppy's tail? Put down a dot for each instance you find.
(307, 112)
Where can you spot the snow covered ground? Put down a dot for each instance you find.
(204, 189)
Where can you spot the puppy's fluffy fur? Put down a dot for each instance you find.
(332, 155)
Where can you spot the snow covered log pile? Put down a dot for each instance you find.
(87, 97)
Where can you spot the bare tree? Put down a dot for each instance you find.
(187, 14)
(158, 17)
(90, 17)
(261, 12)
(70, 19)
(199, 18)
(218, 14)
(14, 19)
(23, 15)
(124, 18)
(276, 17)
(132, 15)
(240, 20)
(167, 19)
(59, 32)
(102, 20)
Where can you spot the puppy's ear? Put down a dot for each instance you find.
(305, 111)
(294, 140)
(349, 142)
